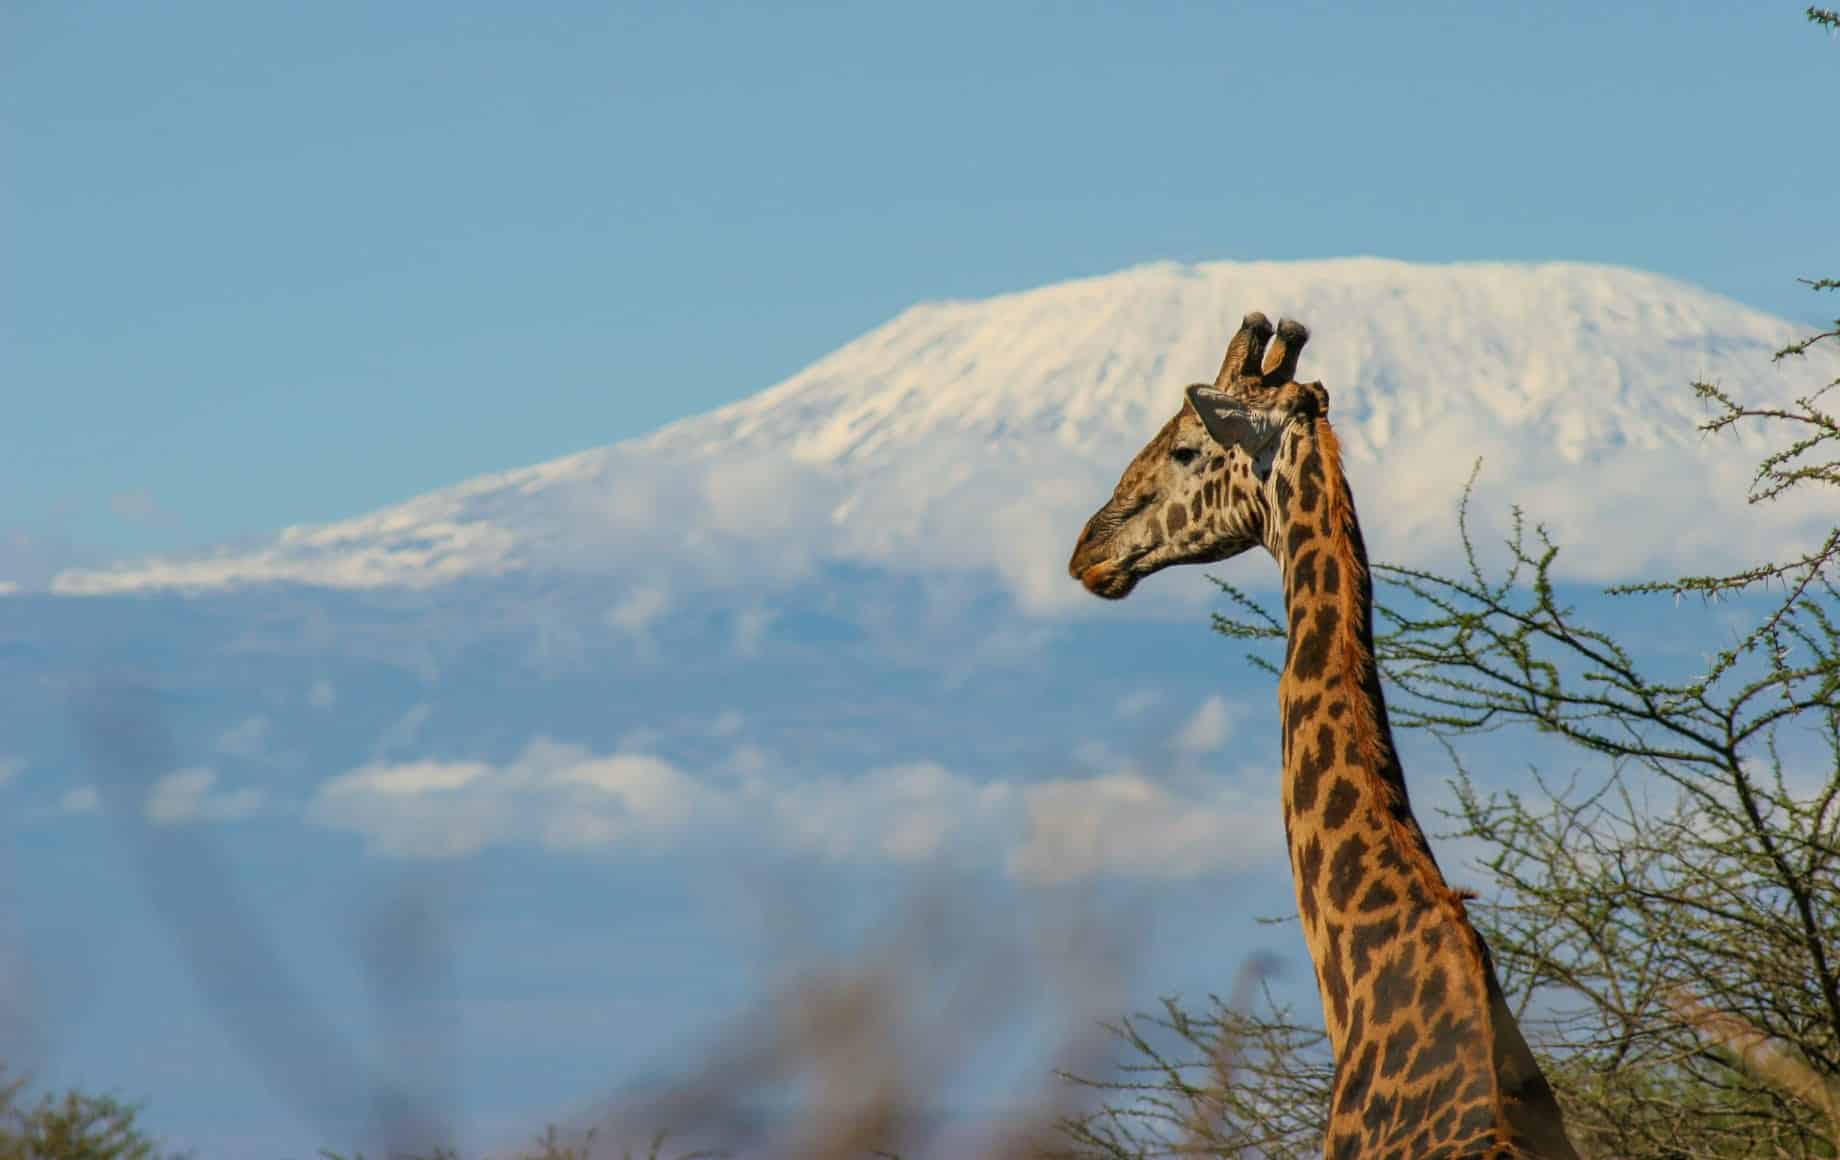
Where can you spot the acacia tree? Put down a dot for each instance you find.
(72, 1125)
(1669, 925)
(1689, 948)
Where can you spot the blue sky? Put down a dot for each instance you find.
(268, 265)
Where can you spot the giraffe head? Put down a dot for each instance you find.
(1197, 492)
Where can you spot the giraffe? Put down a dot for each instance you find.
(1429, 1061)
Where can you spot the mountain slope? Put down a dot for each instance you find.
(976, 435)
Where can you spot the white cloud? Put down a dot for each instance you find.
(321, 695)
(11, 767)
(748, 496)
(563, 797)
(635, 613)
(246, 739)
(392, 549)
(186, 795)
(647, 790)
(1208, 729)
(82, 800)
(904, 813)
(1126, 824)
(1033, 533)
(555, 795)
(411, 779)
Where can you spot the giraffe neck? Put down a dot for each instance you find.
(1415, 1016)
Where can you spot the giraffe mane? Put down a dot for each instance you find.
(1357, 659)
(1358, 663)
(1356, 656)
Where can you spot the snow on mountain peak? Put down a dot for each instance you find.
(977, 434)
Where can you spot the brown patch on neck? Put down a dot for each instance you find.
(1355, 596)
(1355, 604)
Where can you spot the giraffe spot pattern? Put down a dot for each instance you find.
(1477, 1121)
(1311, 654)
(1345, 875)
(1343, 798)
(1353, 1086)
(1369, 938)
(1334, 977)
(1310, 481)
(1308, 870)
(1331, 575)
(1303, 572)
(1447, 1036)
(1399, 1047)
(1300, 711)
(1432, 990)
(1392, 989)
(1357, 1021)
(1310, 770)
(1294, 540)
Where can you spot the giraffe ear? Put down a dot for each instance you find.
(1232, 422)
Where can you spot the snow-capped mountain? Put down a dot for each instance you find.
(976, 435)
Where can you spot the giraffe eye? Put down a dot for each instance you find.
(1184, 455)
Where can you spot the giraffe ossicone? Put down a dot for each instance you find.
(1429, 1060)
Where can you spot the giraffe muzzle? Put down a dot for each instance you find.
(1108, 580)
